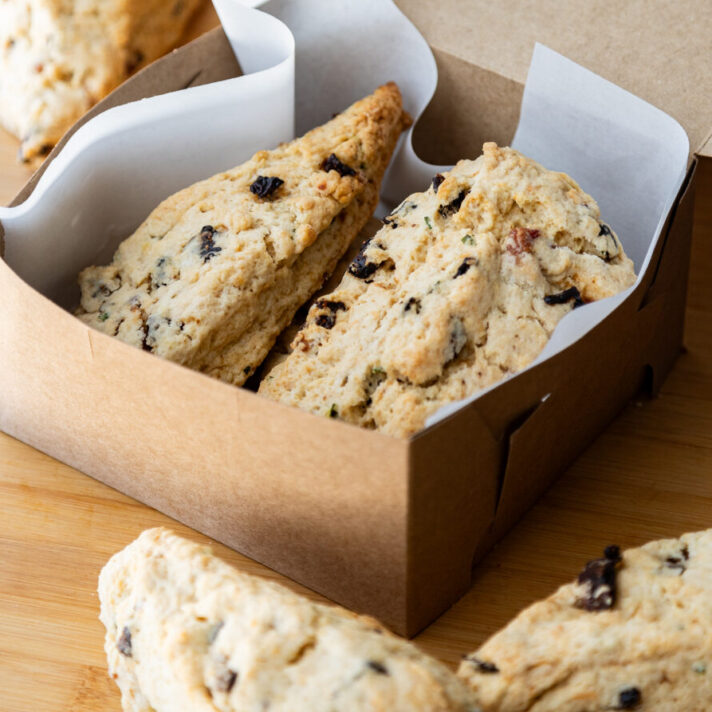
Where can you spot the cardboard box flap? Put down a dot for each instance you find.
(655, 49)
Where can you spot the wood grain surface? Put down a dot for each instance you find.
(648, 476)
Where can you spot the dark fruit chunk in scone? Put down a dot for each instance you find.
(566, 296)
(599, 581)
(521, 240)
(123, 644)
(266, 186)
(208, 248)
(332, 163)
(453, 206)
(361, 267)
(629, 698)
(327, 319)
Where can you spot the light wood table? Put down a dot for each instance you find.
(649, 475)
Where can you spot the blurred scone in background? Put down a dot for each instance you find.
(59, 57)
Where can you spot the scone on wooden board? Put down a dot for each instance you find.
(59, 57)
(219, 269)
(463, 286)
(185, 631)
(634, 632)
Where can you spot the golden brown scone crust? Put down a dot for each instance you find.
(218, 270)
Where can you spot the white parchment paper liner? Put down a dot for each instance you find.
(304, 61)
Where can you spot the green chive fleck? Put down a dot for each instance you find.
(468, 240)
(378, 371)
(333, 411)
(700, 667)
(428, 223)
(103, 316)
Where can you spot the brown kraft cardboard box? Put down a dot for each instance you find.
(384, 526)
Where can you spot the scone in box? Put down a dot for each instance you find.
(387, 526)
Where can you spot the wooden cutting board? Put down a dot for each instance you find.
(647, 476)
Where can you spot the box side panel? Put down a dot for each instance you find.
(588, 388)
(453, 485)
(668, 289)
(318, 500)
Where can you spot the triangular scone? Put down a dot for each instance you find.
(632, 633)
(185, 631)
(57, 59)
(462, 286)
(219, 269)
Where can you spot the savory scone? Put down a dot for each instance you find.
(632, 633)
(59, 57)
(219, 269)
(185, 631)
(462, 286)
